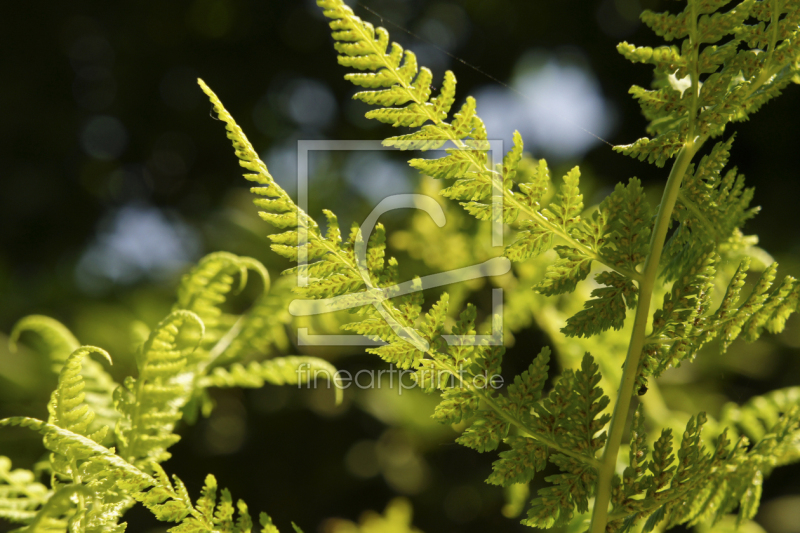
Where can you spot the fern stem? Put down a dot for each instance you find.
(631, 367)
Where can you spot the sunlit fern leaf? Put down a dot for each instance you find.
(532, 241)
(333, 270)
(263, 327)
(569, 490)
(205, 288)
(210, 513)
(657, 151)
(68, 408)
(738, 474)
(520, 463)
(625, 497)
(761, 414)
(606, 309)
(53, 340)
(291, 370)
(712, 206)
(736, 78)
(629, 216)
(485, 433)
(527, 387)
(564, 275)
(57, 514)
(566, 210)
(584, 431)
(20, 494)
(457, 405)
(684, 309)
(151, 404)
(73, 445)
(475, 179)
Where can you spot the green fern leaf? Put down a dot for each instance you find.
(606, 309)
(629, 214)
(151, 405)
(68, 408)
(527, 387)
(564, 275)
(520, 463)
(203, 289)
(20, 494)
(291, 370)
(565, 211)
(56, 342)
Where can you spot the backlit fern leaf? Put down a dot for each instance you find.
(606, 309)
(151, 404)
(485, 190)
(263, 328)
(54, 341)
(711, 209)
(205, 287)
(700, 87)
(20, 494)
(685, 323)
(291, 370)
(106, 473)
(68, 408)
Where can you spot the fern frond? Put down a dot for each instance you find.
(56, 342)
(291, 370)
(102, 473)
(606, 309)
(20, 494)
(711, 208)
(204, 288)
(68, 408)
(53, 339)
(151, 404)
(698, 92)
(363, 47)
(685, 323)
(263, 327)
(169, 501)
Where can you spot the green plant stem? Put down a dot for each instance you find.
(631, 367)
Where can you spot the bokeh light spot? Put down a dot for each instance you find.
(104, 137)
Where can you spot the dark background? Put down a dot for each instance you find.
(101, 116)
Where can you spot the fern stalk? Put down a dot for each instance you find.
(646, 287)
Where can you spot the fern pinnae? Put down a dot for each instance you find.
(204, 289)
(290, 370)
(20, 493)
(57, 343)
(151, 404)
(398, 351)
(67, 406)
(358, 47)
(57, 340)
